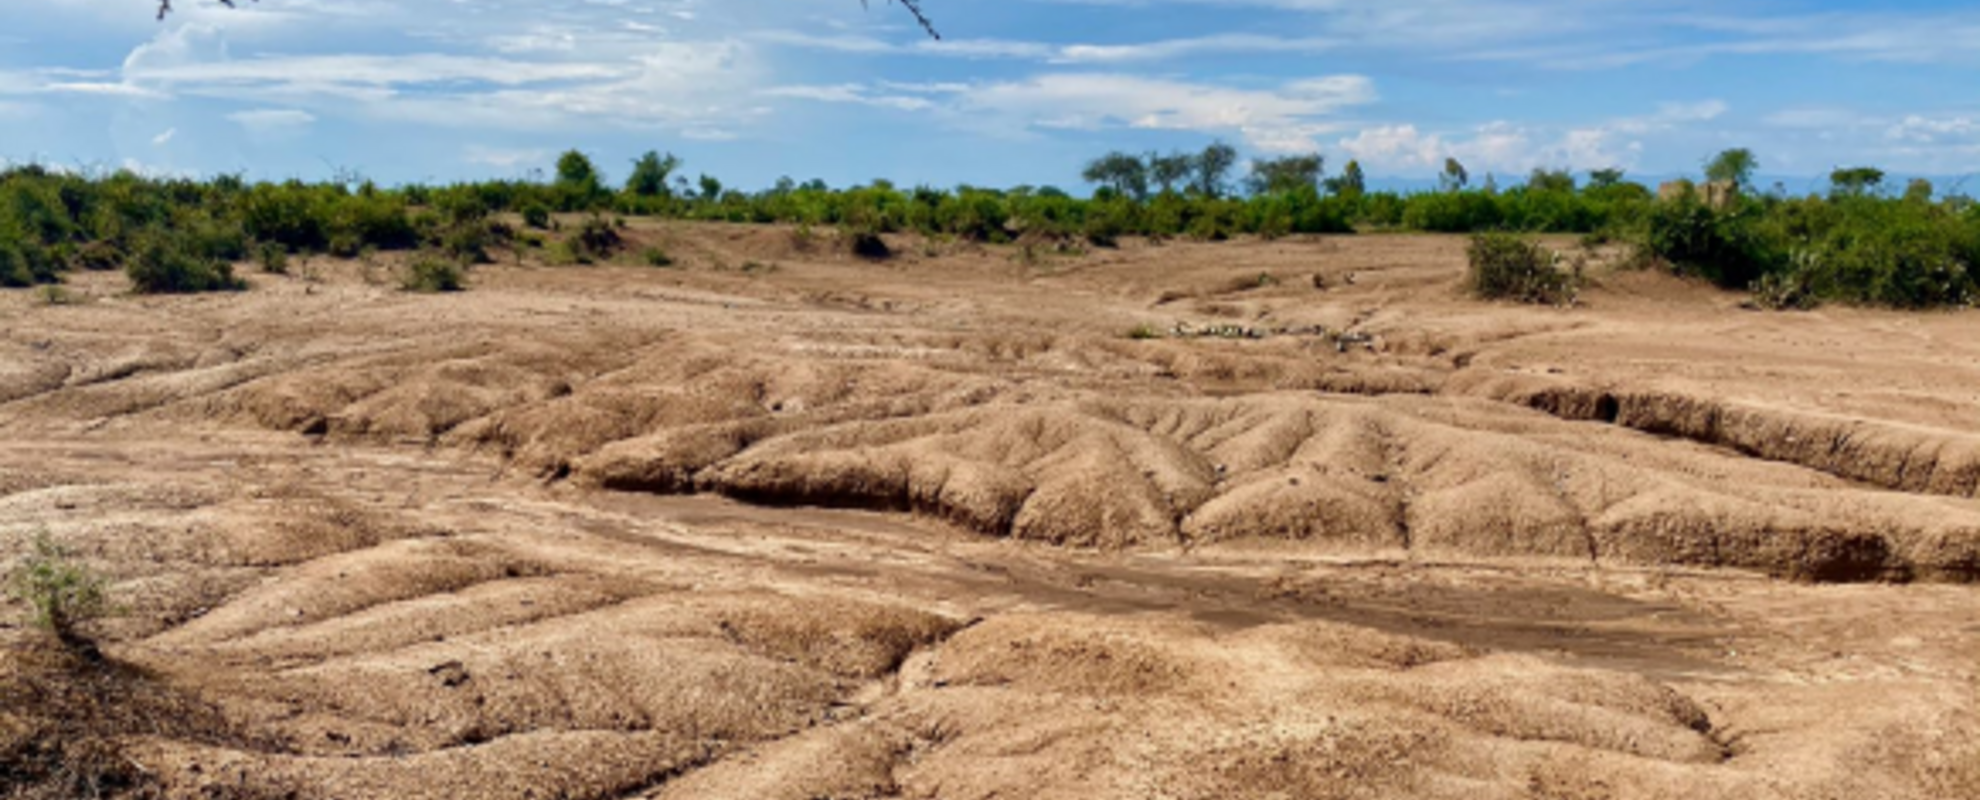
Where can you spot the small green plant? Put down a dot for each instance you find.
(430, 273)
(274, 258)
(1508, 267)
(60, 593)
(1144, 332)
(656, 257)
(55, 294)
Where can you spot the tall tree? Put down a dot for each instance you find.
(1855, 181)
(1285, 174)
(1605, 178)
(1171, 170)
(1735, 166)
(1550, 180)
(1454, 178)
(1351, 183)
(1213, 170)
(1125, 174)
(650, 172)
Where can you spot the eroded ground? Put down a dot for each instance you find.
(785, 524)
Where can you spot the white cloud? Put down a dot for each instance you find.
(1282, 118)
(165, 138)
(1919, 129)
(272, 120)
(505, 158)
(1511, 148)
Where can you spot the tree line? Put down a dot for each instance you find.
(1861, 242)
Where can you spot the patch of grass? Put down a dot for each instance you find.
(55, 294)
(61, 594)
(1508, 267)
(1144, 332)
(431, 274)
(656, 257)
(562, 253)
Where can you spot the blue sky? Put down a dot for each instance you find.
(1020, 91)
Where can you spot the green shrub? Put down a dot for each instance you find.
(656, 257)
(164, 266)
(1789, 290)
(60, 593)
(1726, 247)
(377, 220)
(467, 242)
(536, 215)
(431, 273)
(1508, 267)
(596, 238)
(288, 214)
(273, 257)
(99, 256)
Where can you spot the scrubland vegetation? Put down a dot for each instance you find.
(1859, 244)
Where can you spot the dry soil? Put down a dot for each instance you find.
(1288, 519)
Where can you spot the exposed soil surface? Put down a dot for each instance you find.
(1283, 519)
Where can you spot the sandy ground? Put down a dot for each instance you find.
(780, 523)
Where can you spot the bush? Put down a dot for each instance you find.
(274, 258)
(1725, 247)
(1507, 267)
(60, 593)
(164, 266)
(536, 215)
(100, 256)
(467, 242)
(431, 273)
(656, 257)
(596, 238)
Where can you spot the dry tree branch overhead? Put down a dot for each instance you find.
(913, 7)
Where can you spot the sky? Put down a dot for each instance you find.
(1018, 91)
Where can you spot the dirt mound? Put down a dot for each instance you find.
(953, 525)
(1901, 457)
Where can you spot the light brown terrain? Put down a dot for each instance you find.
(783, 524)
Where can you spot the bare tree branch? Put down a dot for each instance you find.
(914, 7)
